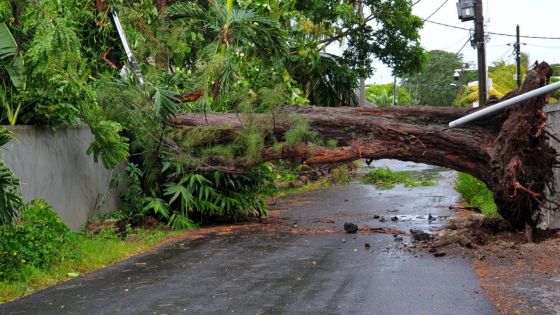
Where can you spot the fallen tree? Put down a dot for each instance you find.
(508, 151)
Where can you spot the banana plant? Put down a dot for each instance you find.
(12, 61)
(10, 57)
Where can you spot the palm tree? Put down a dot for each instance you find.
(238, 36)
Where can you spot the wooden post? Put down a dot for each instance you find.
(481, 48)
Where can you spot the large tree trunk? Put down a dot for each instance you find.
(508, 151)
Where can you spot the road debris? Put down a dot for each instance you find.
(420, 236)
(350, 227)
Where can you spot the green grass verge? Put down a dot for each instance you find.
(83, 253)
(476, 194)
(386, 178)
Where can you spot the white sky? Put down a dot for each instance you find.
(535, 18)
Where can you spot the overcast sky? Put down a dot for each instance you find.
(536, 18)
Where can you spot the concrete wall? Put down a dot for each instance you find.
(551, 219)
(53, 165)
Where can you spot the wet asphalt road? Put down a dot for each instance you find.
(290, 273)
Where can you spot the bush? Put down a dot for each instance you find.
(476, 194)
(35, 241)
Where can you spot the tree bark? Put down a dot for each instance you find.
(161, 5)
(508, 151)
(100, 5)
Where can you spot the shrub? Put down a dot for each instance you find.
(36, 240)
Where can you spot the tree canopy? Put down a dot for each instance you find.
(62, 64)
(382, 95)
(435, 84)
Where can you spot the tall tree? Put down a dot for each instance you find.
(435, 85)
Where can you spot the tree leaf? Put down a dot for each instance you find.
(10, 58)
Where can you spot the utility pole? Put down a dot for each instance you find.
(362, 96)
(517, 48)
(480, 42)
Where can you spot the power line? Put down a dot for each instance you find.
(447, 25)
(415, 3)
(492, 33)
(541, 46)
(457, 42)
(464, 45)
(436, 11)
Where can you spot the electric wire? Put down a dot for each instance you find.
(457, 42)
(493, 33)
(463, 47)
(437, 10)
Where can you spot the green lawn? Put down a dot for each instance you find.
(82, 254)
(476, 194)
(386, 178)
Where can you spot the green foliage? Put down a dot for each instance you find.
(133, 196)
(36, 241)
(251, 142)
(194, 197)
(189, 198)
(10, 57)
(382, 99)
(81, 253)
(327, 82)
(502, 75)
(381, 95)
(283, 171)
(476, 194)
(108, 144)
(502, 82)
(300, 133)
(237, 35)
(246, 57)
(469, 95)
(11, 201)
(54, 86)
(338, 176)
(433, 85)
(386, 178)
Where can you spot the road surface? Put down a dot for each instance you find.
(310, 267)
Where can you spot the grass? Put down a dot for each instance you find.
(83, 253)
(386, 178)
(476, 194)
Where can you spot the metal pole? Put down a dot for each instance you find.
(518, 58)
(126, 46)
(362, 98)
(394, 90)
(481, 47)
(512, 101)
